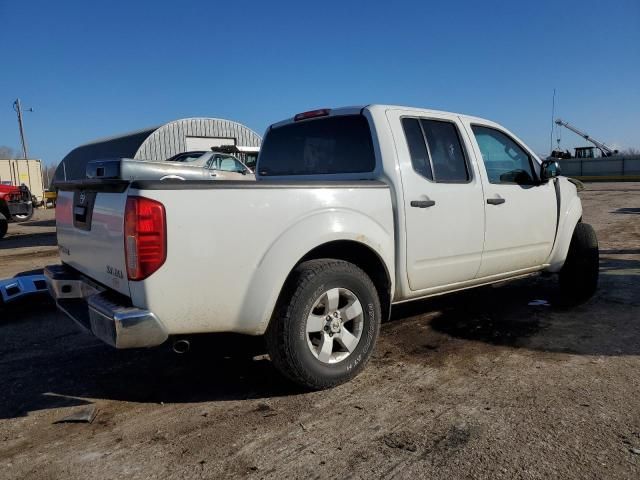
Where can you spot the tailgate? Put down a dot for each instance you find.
(90, 228)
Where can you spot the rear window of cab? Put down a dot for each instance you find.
(330, 145)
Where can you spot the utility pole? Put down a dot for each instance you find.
(553, 115)
(18, 108)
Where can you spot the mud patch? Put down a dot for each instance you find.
(497, 331)
(435, 449)
(400, 441)
(454, 439)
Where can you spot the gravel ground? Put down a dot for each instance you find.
(29, 245)
(472, 385)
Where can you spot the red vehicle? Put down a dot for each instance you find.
(16, 204)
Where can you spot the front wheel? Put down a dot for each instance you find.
(24, 217)
(579, 275)
(3, 226)
(324, 330)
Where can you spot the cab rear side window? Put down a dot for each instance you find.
(436, 150)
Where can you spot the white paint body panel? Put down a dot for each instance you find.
(226, 274)
(231, 249)
(570, 215)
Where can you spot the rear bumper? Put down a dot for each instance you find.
(105, 314)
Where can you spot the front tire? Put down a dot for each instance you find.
(4, 226)
(26, 217)
(579, 275)
(325, 327)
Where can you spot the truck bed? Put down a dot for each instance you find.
(230, 245)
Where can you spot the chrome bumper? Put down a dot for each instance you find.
(103, 313)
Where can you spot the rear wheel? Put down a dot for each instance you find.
(325, 328)
(579, 275)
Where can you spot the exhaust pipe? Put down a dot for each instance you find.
(181, 346)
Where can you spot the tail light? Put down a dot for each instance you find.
(145, 237)
(322, 112)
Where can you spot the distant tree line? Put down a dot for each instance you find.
(630, 151)
(48, 174)
(7, 152)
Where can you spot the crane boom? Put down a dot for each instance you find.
(606, 151)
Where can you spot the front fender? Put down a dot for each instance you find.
(569, 218)
(286, 251)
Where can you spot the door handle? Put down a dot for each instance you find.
(422, 203)
(495, 201)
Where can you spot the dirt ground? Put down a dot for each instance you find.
(472, 385)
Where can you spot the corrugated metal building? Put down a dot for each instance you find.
(159, 143)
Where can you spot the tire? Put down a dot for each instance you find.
(4, 226)
(579, 275)
(26, 217)
(306, 303)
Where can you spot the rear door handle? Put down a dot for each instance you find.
(495, 201)
(422, 203)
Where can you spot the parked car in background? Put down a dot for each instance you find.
(184, 166)
(353, 210)
(16, 205)
(247, 155)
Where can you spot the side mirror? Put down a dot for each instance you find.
(548, 170)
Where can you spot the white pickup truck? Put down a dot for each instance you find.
(354, 209)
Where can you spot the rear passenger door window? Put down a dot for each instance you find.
(417, 147)
(436, 150)
(212, 163)
(505, 160)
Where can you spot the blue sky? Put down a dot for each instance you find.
(93, 69)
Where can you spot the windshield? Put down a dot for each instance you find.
(330, 145)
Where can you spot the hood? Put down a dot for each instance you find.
(4, 189)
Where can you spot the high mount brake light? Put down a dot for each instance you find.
(145, 237)
(322, 112)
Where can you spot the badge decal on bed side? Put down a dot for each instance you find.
(114, 272)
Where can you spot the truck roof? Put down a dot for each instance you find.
(354, 109)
